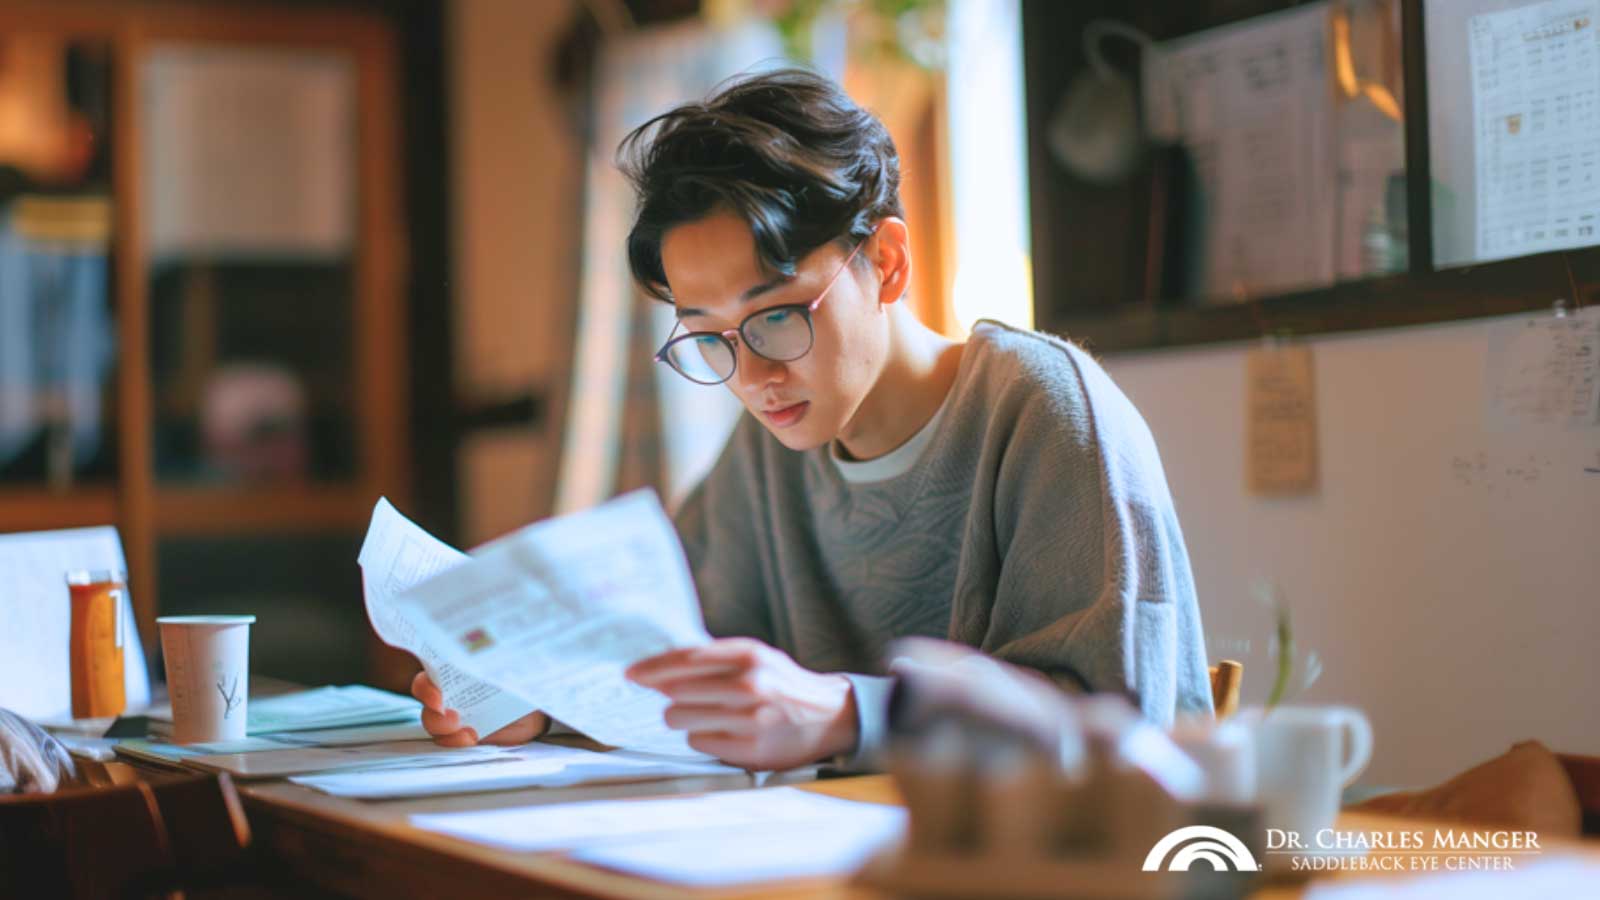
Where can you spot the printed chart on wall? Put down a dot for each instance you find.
(1536, 120)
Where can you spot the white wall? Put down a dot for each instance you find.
(1462, 616)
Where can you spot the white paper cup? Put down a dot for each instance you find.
(208, 675)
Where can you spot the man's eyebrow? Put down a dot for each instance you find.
(765, 287)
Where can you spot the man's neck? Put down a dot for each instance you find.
(916, 377)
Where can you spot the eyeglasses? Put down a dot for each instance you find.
(777, 333)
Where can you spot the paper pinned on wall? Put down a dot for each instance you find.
(556, 612)
(396, 555)
(36, 620)
(1281, 429)
(1544, 372)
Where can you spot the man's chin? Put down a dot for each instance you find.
(799, 439)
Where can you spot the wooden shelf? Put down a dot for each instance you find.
(1530, 284)
(236, 510)
(41, 509)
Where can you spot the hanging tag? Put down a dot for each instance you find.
(1281, 421)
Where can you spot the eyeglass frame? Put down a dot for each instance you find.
(731, 333)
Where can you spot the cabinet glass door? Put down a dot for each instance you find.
(57, 332)
(248, 178)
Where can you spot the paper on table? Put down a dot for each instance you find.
(302, 760)
(601, 822)
(716, 857)
(332, 737)
(535, 765)
(396, 555)
(555, 612)
(329, 707)
(36, 620)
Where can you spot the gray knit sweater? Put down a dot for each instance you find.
(1036, 526)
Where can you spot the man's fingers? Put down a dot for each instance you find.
(440, 723)
(725, 747)
(423, 688)
(521, 731)
(465, 737)
(694, 662)
(727, 689)
(709, 719)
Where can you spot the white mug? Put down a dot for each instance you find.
(1225, 752)
(1303, 765)
(208, 676)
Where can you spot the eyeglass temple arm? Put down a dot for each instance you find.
(661, 355)
(840, 271)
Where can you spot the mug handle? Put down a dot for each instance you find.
(1360, 745)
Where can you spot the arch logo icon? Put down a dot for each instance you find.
(1220, 849)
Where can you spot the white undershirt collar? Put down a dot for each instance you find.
(896, 462)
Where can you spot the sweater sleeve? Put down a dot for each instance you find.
(717, 525)
(1093, 587)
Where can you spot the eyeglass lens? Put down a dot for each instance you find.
(781, 335)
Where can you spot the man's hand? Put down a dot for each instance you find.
(445, 724)
(751, 705)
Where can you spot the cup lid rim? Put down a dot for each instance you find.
(104, 575)
(205, 620)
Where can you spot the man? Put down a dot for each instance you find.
(886, 482)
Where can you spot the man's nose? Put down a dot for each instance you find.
(754, 371)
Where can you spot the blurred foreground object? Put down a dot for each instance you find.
(31, 762)
(1016, 789)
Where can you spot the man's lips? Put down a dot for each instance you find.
(784, 416)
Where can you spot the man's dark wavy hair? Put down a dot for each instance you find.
(786, 151)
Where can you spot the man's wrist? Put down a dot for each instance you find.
(843, 731)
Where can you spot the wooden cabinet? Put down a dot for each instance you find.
(216, 355)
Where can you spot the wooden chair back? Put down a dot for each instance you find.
(135, 840)
(1226, 676)
(206, 828)
(81, 843)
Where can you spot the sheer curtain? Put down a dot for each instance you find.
(628, 424)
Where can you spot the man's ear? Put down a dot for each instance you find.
(891, 259)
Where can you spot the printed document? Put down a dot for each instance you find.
(555, 612)
(396, 555)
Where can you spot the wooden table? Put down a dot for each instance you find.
(368, 849)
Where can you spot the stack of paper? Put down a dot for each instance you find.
(349, 706)
(285, 759)
(534, 765)
(718, 839)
